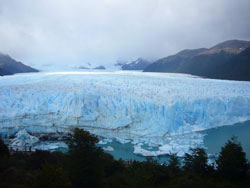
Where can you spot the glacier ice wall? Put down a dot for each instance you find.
(127, 105)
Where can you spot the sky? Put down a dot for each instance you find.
(76, 32)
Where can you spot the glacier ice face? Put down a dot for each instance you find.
(123, 105)
(178, 144)
(52, 146)
(23, 139)
(108, 148)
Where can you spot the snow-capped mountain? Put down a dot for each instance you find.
(138, 64)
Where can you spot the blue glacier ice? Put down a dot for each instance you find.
(151, 108)
(23, 139)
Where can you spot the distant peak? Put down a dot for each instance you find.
(230, 46)
(191, 52)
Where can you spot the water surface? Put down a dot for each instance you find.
(217, 137)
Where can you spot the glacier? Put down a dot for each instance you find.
(154, 108)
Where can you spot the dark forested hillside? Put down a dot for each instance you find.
(227, 60)
(4, 72)
(86, 165)
(205, 65)
(174, 62)
(237, 68)
(9, 66)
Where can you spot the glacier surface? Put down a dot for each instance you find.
(150, 108)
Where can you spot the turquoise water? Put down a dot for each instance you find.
(125, 152)
(216, 138)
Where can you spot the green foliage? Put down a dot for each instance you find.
(39, 158)
(232, 161)
(174, 162)
(82, 141)
(4, 155)
(4, 151)
(84, 159)
(86, 165)
(197, 161)
(111, 166)
(52, 177)
(149, 173)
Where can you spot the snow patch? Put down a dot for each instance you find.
(50, 146)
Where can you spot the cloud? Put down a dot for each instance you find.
(78, 31)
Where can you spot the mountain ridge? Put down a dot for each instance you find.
(138, 64)
(207, 62)
(9, 66)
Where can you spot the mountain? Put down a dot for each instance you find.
(120, 63)
(9, 66)
(230, 46)
(237, 68)
(3, 72)
(101, 67)
(174, 62)
(83, 67)
(138, 64)
(223, 61)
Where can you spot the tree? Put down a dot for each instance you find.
(51, 177)
(38, 158)
(232, 161)
(174, 162)
(82, 140)
(84, 159)
(197, 161)
(4, 151)
(4, 156)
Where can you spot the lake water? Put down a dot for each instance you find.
(214, 140)
(125, 152)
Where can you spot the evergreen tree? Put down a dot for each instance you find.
(197, 161)
(232, 161)
(188, 162)
(4, 151)
(84, 158)
(174, 162)
(51, 177)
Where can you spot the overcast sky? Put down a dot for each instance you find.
(102, 31)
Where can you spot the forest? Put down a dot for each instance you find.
(87, 165)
